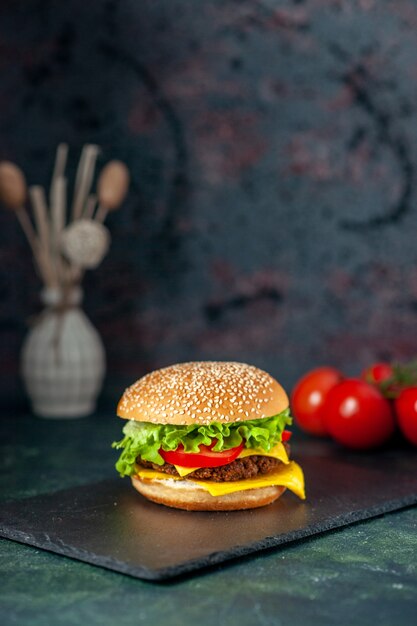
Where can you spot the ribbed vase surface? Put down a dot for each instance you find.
(63, 359)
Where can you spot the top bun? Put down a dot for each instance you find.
(203, 392)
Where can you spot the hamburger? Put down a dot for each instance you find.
(208, 436)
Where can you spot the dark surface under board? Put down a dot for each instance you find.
(110, 525)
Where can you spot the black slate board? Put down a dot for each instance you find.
(110, 525)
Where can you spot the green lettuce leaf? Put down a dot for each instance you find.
(145, 439)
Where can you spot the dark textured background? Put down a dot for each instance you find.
(273, 148)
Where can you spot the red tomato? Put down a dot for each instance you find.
(205, 458)
(308, 397)
(357, 415)
(406, 410)
(286, 435)
(377, 373)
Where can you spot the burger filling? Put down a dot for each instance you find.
(218, 452)
(240, 469)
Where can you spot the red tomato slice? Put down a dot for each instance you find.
(286, 435)
(205, 458)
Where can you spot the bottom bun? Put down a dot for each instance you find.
(193, 498)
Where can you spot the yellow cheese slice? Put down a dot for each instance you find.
(289, 476)
(183, 471)
(277, 452)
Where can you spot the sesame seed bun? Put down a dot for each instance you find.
(193, 498)
(203, 392)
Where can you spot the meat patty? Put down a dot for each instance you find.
(248, 467)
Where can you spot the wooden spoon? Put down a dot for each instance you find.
(13, 188)
(13, 194)
(112, 188)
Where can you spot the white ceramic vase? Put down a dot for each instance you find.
(63, 358)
